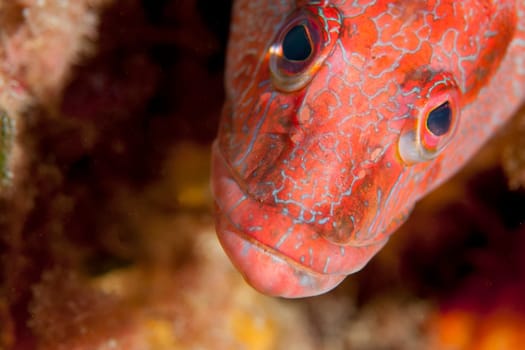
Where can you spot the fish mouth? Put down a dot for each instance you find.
(268, 270)
(251, 233)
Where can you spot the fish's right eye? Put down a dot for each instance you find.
(297, 44)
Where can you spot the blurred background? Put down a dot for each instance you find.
(108, 110)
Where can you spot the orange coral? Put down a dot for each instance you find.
(461, 330)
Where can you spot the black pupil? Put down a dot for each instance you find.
(439, 119)
(296, 44)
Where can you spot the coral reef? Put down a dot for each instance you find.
(107, 111)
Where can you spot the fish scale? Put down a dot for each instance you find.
(319, 159)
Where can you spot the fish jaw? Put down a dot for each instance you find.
(275, 255)
(267, 270)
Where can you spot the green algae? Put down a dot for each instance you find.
(7, 135)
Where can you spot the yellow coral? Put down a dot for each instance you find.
(255, 332)
(160, 336)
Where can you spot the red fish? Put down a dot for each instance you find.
(340, 115)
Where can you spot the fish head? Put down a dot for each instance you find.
(331, 132)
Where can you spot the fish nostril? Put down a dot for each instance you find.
(260, 191)
(340, 231)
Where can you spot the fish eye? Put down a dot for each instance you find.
(437, 116)
(297, 44)
(439, 119)
(301, 45)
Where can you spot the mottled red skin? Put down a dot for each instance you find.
(310, 183)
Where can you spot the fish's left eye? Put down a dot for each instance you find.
(439, 119)
(302, 44)
(435, 121)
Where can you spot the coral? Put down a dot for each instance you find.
(41, 41)
(82, 318)
(514, 152)
(460, 330)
